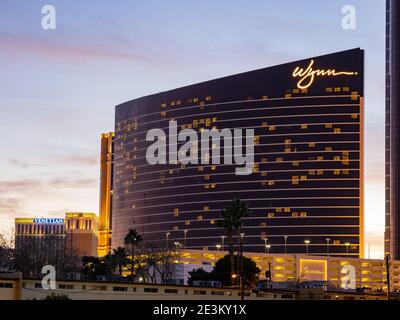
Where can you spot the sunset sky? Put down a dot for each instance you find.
(58, 88)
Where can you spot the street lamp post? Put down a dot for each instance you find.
(347, 244)
(327, 245)
(285, 244)
(307, 243)
(218, 246)
(222, 242)
(185, 236)
(265, 245)
(167, 235)
(268, 247)
(241, 267)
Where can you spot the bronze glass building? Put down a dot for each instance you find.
(306, 189)
(392, 232)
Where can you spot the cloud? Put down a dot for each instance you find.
(22, 164)
(15, 45)
(72, 183)
(19, 185)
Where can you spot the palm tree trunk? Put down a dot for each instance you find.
(231, 254)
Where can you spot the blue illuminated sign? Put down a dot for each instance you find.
(48, 220)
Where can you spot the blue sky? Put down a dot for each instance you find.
(58, 88)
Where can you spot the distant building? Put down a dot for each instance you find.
(81, 231)
(42, 238)
(76, 234)
(106, 193)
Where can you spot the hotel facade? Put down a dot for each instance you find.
(306, 189)
(76, 234)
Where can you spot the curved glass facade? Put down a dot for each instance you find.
(306, 188)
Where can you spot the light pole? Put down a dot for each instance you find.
(167, 235)
(218, 246)
(327, 245)
(347, 244)
(176, 245)
(285, 244)
(185, 236)
(241, 267)
(222, 242)
(307, 243)
(265, 245)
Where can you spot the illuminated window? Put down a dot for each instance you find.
(272, 128)
(176, 212)
(206, 208)
(304, 126)
(176, 228)
(311, 145)
(209, 98)
(271, 182)
(303, 214)
(187, 222)
(337, 130)
(200, 218)
(212, 221)
(271, 215)
(195, 100)
(163, 105)
(287, 209)
(296, 163)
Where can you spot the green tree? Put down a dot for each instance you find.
(93, 266)
(250, 271)
(133, 238)
(232, 220)
(200, 275)
(120, 257)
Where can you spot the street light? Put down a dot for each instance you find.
(222, 242)
(267, 247)
(347, 244)
(167, 235)
(285, 244)
(327, 245)
(307, 243)
(241, 267)
(177, 244)
(218, 246)
(184, 241)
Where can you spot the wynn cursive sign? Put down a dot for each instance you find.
(307, 76)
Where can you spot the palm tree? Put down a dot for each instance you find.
(133, 238)
(120, 258)
(232, 221)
